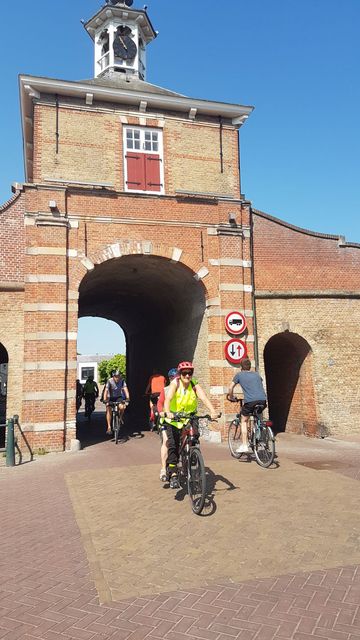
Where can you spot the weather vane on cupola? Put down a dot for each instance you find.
(120, 34)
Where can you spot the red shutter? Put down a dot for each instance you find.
(135, 171)
(152, 172)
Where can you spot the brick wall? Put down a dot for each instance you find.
(301, 283)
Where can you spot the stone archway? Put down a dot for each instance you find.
(160, 306)
(290, 385)
(4, 361)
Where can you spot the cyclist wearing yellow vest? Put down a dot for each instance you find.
(183, 395)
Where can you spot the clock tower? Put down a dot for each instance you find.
(120, 34)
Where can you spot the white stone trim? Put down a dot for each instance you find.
(147, 247)
(212, 302)
(46, 277)
(88, 264)
(51, 335)
(73, 295)
(248, 313)
(49, 306)
(116, 251)
(51, 251)
(217, 391)
(228, 286)
(211, 231)
(202, 273)
(225, 363)
(43, 426)
(49, 365)
(212, 436)
(48, 395)
(123, 120)
(176, 254)
(230, 262)
(218, 337)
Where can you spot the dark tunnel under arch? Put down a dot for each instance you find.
(160, 306)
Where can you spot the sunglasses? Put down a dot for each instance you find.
(186, 373)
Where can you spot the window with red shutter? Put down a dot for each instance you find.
(143, 160)
(135, 171)
(152, 172)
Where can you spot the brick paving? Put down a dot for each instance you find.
(51, 566)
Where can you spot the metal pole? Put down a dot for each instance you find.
(10, 444)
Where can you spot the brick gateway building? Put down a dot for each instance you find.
(132, 211)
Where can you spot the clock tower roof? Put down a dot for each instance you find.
(120, 34)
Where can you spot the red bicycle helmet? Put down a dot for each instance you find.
(185, 365)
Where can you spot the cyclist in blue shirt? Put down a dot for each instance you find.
(254, 393)
(116, 390)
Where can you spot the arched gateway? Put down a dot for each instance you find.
(131, 209)
(290, 384)
(160, 305)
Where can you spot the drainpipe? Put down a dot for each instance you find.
(66, 373)
(256, 346)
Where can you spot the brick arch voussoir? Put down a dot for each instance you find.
(144, 247)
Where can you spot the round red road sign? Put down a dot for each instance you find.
(235, 322)
(235, 350)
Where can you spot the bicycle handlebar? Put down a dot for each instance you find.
(181, 415)
(233, 398)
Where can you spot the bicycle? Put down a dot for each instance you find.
(260, 436)
(117, 418)
(90, 400)
(192, 470)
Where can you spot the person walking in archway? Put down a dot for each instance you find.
(172, 373)
(154, 387)
(90, 393)
(254, 393)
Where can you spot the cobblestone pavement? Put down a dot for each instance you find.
(93, 547)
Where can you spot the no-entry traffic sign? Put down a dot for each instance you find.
(235, 322)
(235, 350)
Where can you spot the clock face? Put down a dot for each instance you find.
(124, 45)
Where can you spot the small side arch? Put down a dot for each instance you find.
(290, 384)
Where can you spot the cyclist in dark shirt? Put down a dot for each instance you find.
(115, 391)
(254, 393)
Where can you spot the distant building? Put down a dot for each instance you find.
(88, 366)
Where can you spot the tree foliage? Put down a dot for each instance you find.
(107, 366)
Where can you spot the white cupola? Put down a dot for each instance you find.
(120, 35)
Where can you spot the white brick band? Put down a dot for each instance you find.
(55, 335)
(229, 286)
(219, 337)
(48, 395)
(218, 391)
(51, 251)
(49, 306)
(230, 262)
(49, 365)
(43, 426)
(45, 277)
(248, 313)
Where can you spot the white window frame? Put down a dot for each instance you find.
(160, 153)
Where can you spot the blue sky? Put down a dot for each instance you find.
(296, 62)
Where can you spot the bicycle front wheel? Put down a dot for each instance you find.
(196, 480)
(116, 427)
(234, 438)
(264, 448)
